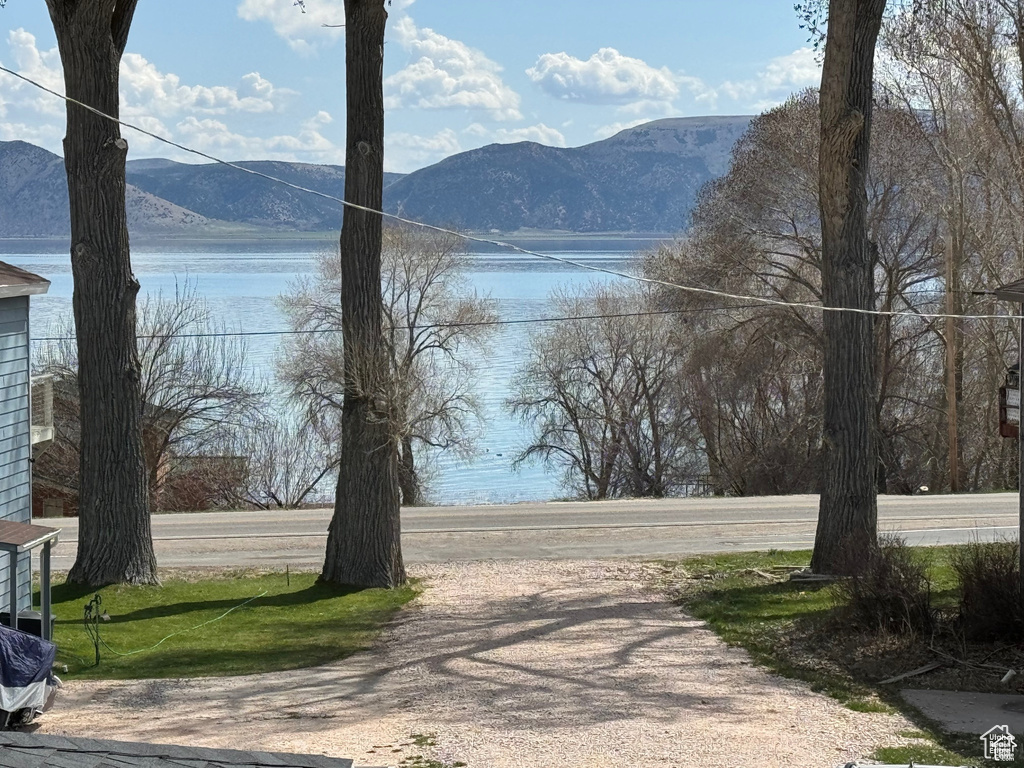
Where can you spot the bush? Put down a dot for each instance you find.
(891, 591)
(988, 576)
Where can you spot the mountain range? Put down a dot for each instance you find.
(642, 179)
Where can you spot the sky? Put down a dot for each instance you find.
(264, 79)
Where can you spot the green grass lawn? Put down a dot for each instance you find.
(294, 625)
(792, 628)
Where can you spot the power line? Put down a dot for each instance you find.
(433, 326)
(479, 324)
(500, 243)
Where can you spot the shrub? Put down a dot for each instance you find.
(890, 591)
(988, 575)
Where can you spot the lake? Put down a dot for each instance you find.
(241, 281)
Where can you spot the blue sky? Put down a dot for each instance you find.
(260, 79)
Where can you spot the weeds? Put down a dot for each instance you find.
(988, 578)
(891, 591)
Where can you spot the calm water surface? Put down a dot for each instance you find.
(241, 287)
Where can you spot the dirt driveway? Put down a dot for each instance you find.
(529, 664)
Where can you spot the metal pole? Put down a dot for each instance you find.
(1020, 462)
(44, 590)
(951, 415)
(12, 586)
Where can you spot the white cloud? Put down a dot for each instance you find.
(607, 77)
(642, 92)
(302, 25)
(406, 152)
(781, 77)
(160, 103)
(27, 113)
(42, 66)
(139, 143)
(217, 138)
(156, 92)
(795, 70)
(145, 90)
(42, 135)
(649, 110)
(447, 74)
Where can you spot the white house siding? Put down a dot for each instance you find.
(15, 437)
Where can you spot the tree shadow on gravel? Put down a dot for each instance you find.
(541, 660)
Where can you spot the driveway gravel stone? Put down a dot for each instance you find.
(531, 664)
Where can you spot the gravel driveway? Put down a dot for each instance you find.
(516, 663)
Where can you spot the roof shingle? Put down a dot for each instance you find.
(34, 750)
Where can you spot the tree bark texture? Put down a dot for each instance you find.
(848, 514)
(114, 542)
(364, 544)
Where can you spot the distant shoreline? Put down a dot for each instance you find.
(536, 240)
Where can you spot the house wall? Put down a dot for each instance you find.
(15, 437)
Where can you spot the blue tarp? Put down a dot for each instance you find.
(24, 658)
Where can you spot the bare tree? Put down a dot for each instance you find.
(114, 538)
(287, 459)
(434, 327)
(753, 371)
(433, 322)
(197, 386)
(197, 390)
(601, 395)
(951, 68)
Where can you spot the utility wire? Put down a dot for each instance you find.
(434, 326)
(481, 323)
(500, 243)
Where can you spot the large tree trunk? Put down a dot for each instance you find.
(848, 513)
(364, 546)
(114, 540)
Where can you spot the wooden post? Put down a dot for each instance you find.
(951, 415)
(44, 590)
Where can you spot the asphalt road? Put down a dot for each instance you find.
(649, 528)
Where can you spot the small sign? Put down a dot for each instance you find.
(1009, 412)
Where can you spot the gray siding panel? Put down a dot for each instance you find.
(18, 441)
(10, 327)
(13, 341)
(19, 455)
(15, 419)
(15, 469)
(16, 355)
(15, 311)
(17, 390)
(24, 582)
